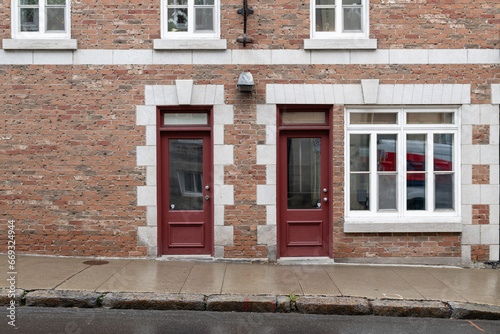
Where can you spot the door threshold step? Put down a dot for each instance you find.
(305, 260)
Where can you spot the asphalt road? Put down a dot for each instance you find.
(78, 321)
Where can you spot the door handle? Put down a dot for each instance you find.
(325, 190)
(325, 199)
(207, 197)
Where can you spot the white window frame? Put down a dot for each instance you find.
(339, 23)
(41, 34)
(402, 215)
(191, 33)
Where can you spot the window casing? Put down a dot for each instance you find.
(380, 184)
(339, 19)
(41, 19)
(190, 19)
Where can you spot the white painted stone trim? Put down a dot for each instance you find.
(337, 43)
(252, 57)
(39, 44)
(189, 44)
(370, 92)
(495, 93)
(184, 92)
(364, 227)
(266, 193)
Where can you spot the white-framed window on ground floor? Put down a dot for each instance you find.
(402, 164)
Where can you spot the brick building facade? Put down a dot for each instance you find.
(371, 133)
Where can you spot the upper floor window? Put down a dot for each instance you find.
(190, 19)
(40, 19)
(339, 18)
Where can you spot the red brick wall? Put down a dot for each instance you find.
(284, 24)
(69, 172)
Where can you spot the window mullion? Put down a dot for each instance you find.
(373, 193)
(191, 17)
(339, 23)
(430, 170)
(42, 17)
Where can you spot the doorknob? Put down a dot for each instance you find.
(207, 187)
(207, 197)
(325, 190)
(325, 199)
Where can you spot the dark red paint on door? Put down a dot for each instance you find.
(303, 193)
(186, 193)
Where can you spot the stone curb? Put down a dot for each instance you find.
(474, 311)
(255, 303)
(5, 296)
(333, 305)
(63, 298)
(410, 308)
(241, 303)
(153, 301)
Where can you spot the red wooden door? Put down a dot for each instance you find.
(303, 193)
(186, 193)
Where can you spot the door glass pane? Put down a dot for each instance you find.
(443, 187)
(325, 19)
(204, 18)
(177, 19)
(359, 194)
(352, 19)
(359, 152)
(387, 192)
(185, 119)
(386, 153)
(304, 173)
(29, 19)
(415, 191)
(55, 19)
(415, 152)
(186, 174)
(443, 152)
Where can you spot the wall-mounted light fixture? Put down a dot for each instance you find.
(245, 82)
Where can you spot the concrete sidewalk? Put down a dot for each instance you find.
(355, 289)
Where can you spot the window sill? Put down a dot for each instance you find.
(39, 44)
(359, 225)
(190, 44)
(342, 44)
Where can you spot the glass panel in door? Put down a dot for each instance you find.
(186, 174)
(304, 173)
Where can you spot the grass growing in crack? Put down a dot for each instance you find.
(293, 297)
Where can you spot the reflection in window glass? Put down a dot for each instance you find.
(325, 19)
(386, 152)
(185, 119)
(359, 152)
(185, 159)
(374, 118)
(304, 173)
(443, 152)
(430, 118)
(387, 192)
(415, 191)
(300, 117)
(415, 152)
